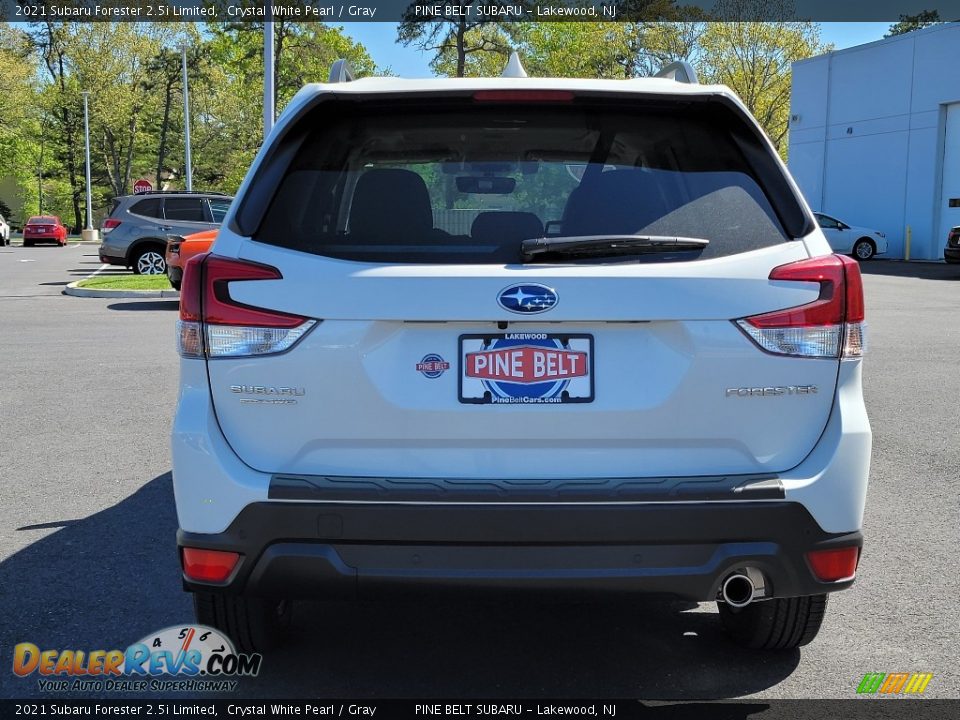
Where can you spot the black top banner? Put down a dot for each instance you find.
(21, 11)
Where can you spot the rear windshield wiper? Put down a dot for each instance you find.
(610, 245)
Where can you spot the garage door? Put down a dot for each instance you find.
(950, 196)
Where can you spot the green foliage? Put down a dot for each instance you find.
(18, 124)
(754, 59)
(909, 23)
(132, 72)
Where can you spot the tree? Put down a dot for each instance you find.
(114, 62)
(486, 51)
(165, 76)
(458, 36)
(19, 126)
(754, 58)
(58, 103)
(909, 23)
(228, 107)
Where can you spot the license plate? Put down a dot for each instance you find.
(526, 368)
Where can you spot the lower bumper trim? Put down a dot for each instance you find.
(679, 550)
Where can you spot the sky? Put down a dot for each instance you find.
(380, 41)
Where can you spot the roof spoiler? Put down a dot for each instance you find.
(341, 71)
(680, 71)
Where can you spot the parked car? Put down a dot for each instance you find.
(4, 231)
(860, 242)
(180, 249)
(951, 253)
(135, 233)
(640, 378)
(44, 228)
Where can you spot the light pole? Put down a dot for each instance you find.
(88, 233)
(268, 89)
(186, 117)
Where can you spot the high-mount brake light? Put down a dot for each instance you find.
(831, 326)
(524, 96)
(213, 324)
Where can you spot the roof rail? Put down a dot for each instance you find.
(182, 192)
(680, 71)
(341, 71)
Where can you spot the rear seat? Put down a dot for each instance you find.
(494, 226)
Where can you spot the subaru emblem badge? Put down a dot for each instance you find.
(527, 299)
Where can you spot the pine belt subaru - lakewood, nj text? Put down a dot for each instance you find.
(474, 335)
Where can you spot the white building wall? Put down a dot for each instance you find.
(867, 134)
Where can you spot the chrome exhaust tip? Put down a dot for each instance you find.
(738, 590)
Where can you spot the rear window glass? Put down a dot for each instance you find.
(147, 208)
(469, 185)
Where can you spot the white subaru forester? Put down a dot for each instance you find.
(515, 333)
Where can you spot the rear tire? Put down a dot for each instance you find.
(150, 261)
(28, 243)
(254, 624)
(863, 249)
(777, 624)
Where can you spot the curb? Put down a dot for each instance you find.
(72, 289)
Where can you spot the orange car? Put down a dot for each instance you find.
(180, 249)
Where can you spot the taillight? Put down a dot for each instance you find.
(831, 326)
(208, 565)
(109, 224)
(214, 324)
(834, 564)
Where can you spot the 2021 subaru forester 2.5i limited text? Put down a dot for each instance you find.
(515, 333)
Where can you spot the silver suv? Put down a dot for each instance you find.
(135, 232)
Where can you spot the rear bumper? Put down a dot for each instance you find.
(951, 254)
(111, 255)
(678, 550)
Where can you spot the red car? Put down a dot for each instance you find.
(44, 228)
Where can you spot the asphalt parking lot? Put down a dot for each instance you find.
(88, 560)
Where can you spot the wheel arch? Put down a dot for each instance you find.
(866, 239)
(138, 245)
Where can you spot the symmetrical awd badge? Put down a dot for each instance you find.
(527, 299)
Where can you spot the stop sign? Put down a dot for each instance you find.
(142, 186)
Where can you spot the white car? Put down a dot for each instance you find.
(4, 231)
(860, 242)
(425, 354)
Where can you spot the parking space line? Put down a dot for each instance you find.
(97, 271)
